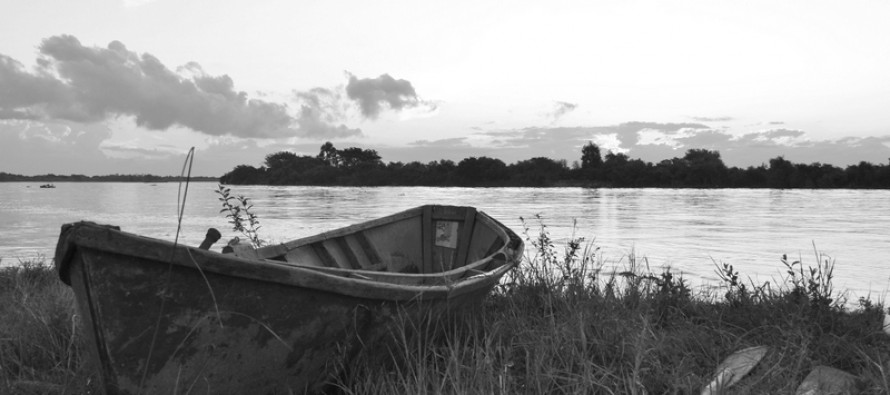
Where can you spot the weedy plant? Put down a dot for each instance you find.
(814, 283)
(562, 324)
(573, 270)
(237, 210)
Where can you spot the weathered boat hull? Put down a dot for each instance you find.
(171, 319)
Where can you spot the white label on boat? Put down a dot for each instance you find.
(446, 234)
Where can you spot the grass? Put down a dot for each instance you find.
(42, 347)
(560, 324)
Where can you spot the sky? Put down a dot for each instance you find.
(128, 86)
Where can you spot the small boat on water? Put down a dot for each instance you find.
(166, 318)
(47, 186)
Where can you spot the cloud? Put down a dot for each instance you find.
(796, 147)
(320, 110)
(656, 137)
(773, 137)
(312, 125)
(17, 114)
(373, 94)
(450, 143)
(623, 136)
(73, 82)
(629, 132)
(85, 110)
(561, 108)
(533, 135)
(781, 133)
(710, 119)
(122, 150)
(759, 146)
(65, 147)
(25, 94)
(31, 147)
(704, 139)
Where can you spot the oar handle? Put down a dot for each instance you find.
(212, 236)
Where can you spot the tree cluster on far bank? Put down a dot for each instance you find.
(698, 168)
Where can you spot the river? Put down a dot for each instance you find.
(689, 230)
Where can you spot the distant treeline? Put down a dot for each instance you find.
(105, 178)
(699, 168)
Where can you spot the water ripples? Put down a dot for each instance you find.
(689, 230)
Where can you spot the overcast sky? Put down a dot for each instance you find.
(102, 86)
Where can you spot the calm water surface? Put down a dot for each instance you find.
(686, 229)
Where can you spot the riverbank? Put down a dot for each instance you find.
(558, 325)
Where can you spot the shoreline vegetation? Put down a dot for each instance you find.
(561, 323)
(698, 168)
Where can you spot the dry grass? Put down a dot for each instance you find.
(561, 325)
(558, 325)
(41, 347)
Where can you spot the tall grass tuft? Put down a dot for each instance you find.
(562, 324)
(42, 348)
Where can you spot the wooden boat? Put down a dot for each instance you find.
(166, 318)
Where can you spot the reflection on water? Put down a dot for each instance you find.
(686, 229)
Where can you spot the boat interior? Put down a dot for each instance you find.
(428, 240)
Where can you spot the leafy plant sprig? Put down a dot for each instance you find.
(237, 209)
(816, 284)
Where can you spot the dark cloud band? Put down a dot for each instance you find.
(562, 108)
(88, 84)
(372, 94)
